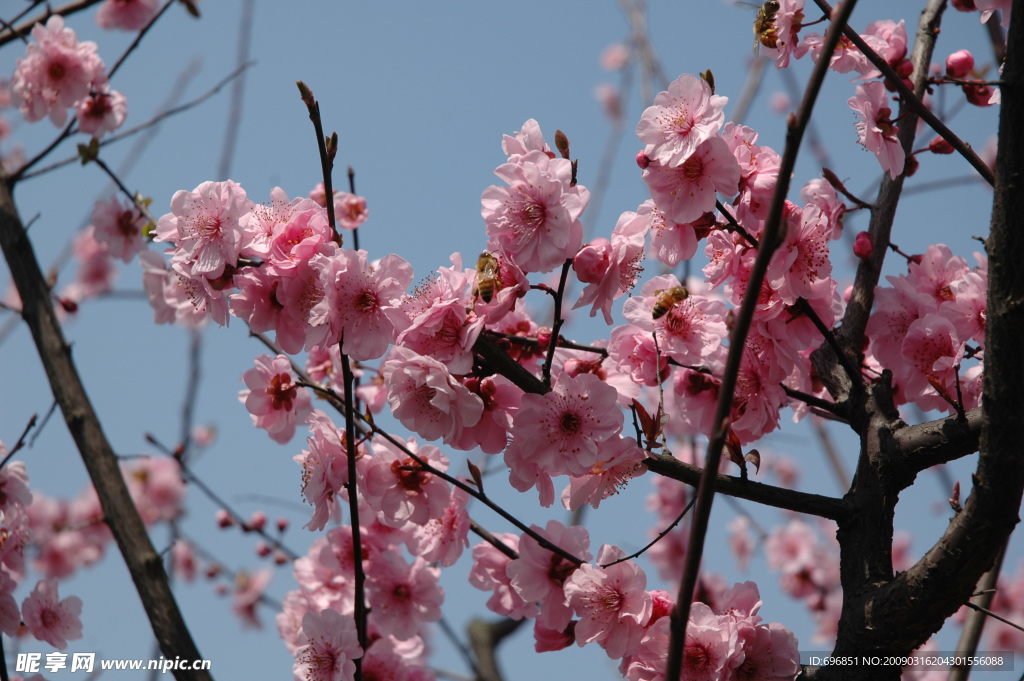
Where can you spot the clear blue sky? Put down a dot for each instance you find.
(420, 94)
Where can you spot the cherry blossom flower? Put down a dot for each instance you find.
(426, 398)
(611, 602)
(183, 560)
(680, 120)
(358, 308)
(526, 139)
(403, 597)
(632, 349)
(624, 462)
(264, 220)
(561, 432)
(118, 226)
(101, 112)
(875, 128)
(489, 573)
(50, 619)
(535, 218)
(539, 575)
(298, 239)
(324, 469)
(156, 487)
(500, 398)
(275, 403)
(786, 24)
(56, 72)
(397, 486)
(204, 225)
(686, 191)
(610, 269)
(249, 588)
(443, 538)
(127, 15)
(10, 617)
(329, 646)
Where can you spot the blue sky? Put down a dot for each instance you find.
(420, 94)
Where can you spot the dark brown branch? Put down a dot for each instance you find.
(26, 28)
(21, 439)
(771, 237)
(142, 560)
(769, 495)
(556, 327)
(353, 507)
(946, 439)
(499, 360)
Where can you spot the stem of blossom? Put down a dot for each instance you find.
(736, 227)
(913, 101)
(661, 535)
(124, 190)
(353, 504)
(23, 174)
(189, 402)
(815, 401)
(138, 39)
(26, 28)
(492, 540)
(771, 237)
(326, 159)
(562, 343)
(557, 325)
(352, 190)
(21, 441)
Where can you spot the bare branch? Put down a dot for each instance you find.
(24, 29)
(929, 444)
(769, 495)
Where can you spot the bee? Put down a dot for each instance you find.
(666, 299)
(487, 281)
(765, 31)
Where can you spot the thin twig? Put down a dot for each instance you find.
(661, 535)
(770, 238)
(237, 93)
(21, 439)
(556, 327)
(21, 31)
(353, 508)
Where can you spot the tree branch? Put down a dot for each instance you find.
(119, 511)
(769, 495)
(26, 28)
(929, 444)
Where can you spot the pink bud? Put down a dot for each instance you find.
(282, 524)
(548, 640)
(224, 519)
(257, 521)
(862, 246)
(280, 558)
(593, 260)
(965, 5)
(221, 590)
(662, 602)
(263, 549)
(213, 571)
(642, 160)
(904, 68)
(543, 337)
(940, 146)
(959, 64)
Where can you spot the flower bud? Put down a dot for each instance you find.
(642, 160)
(263, 549)
(224, 519)
(862, 246)
(593, 260)
(257, 521)
(940, 146)
(959, 64)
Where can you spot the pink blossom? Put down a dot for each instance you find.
(183, 560)
(324, 469)
(56, 72)
(445, 332)
(549, 640)
(787, 23)
(204, 225)
(264, 220)
(101, 112)
(96, 271)
(249, 590)
(118, 227)
(403, 597)
(257, 303)
(680, 120)
(875, 128)
(50, 619)
(328, 647)
(394, 484)
(14, 490)
(156, 487)
(489, 573)
(528, 138)
(500, 398)
(298, 239)
(426, 398)
(561, 432)
(686, 191)
(535, 218)
(624, 462)
(614, 57)
(759, 171)
(689, 332)
(610, 270)
(127, 15)
(611, 602)
(350, 210)
(769, 654)
(275, 403)
(10, 618)
(193, 298)
(443, 538)
(539, 575)
(633, 351)
(671, 242)
(360, 300)
(740, 541)
(801, 267)
(711, 650)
